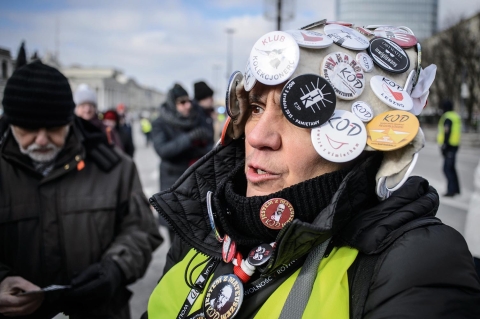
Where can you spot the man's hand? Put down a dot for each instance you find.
(13, 304)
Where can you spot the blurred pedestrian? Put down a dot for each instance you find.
(72, 209)
(146, 128)
(111, 122)
(180, 136)
(125, 129)
(86, 105)
(448, 138)
(472, 222)
(203, 95)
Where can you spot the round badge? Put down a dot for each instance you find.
(314, 24)
(388, 55)
(364, 31)
(341, 139)
(419, 63)
(391, 93)
(363, 111)
(399, 36)
(376, 26)
(365, 61)
(310, 39)
(276, 212)
(412, 78)
(274, 57)
(407, 30)
(249, 80)
(260, 255)
(392, 130)
(211, 218)
(308, 100)
(229, 248)
(344, 74)
(231, 96)
(223, 298)
(346, 37)
(346, 24)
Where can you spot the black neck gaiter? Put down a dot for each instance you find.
(239, 216)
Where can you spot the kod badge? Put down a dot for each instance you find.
(388, 55)
(346, 37)
(391, 93)
(341, 139)
(308, 100)
(310, 39)
(392, 130)
(344, 74)
(276, 212)
(363, 111)
(365, 61)
(274, 57)
(223, 298)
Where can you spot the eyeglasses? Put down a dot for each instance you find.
(183, 101)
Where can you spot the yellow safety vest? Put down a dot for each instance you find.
(146, 125)
(455, 132)
(329, 298)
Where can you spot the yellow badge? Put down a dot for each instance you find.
(392, 130)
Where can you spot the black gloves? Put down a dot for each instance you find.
(444, 150)
(199, 133)
(97, 284)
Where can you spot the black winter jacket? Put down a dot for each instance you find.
(174, 145)
(425, 272)
(53, 227)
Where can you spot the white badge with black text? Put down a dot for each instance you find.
(341, 139)
(391, 93)
(362, 110)
(344, 74)
(346, 37)
(274, 57)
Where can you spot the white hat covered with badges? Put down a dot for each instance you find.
(359, 88)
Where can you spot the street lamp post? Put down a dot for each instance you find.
(230, 32)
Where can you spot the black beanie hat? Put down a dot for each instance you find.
(202, 90)
(37, 95)
(178, 91)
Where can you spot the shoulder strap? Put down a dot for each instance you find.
(360, 274)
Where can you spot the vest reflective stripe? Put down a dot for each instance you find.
(330, 294)
(456, 129)
(329, 298)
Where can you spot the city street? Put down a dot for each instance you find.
(452, 211)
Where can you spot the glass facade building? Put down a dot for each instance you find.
(418, 15)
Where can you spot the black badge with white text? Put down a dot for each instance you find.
(308, 100)
(388, 55)
(224, 297)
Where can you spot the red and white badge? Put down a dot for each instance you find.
(364, 31)
(310, 39)
(365, 61)
(276, 212)
(344, 23)
(340, 139)
(274, 57)
(229, 249)
(391, 93)
(344, 74)
(346, 37)
(399, 36)
(362, 110)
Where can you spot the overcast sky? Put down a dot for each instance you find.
(159, 42)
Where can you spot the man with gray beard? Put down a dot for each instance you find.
(75, 226)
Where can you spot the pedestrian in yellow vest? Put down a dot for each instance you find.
(146, 129)
(448, 138)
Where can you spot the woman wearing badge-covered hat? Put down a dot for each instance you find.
(330, 133)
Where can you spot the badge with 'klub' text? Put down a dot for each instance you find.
(274, 57)
(276, 212)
